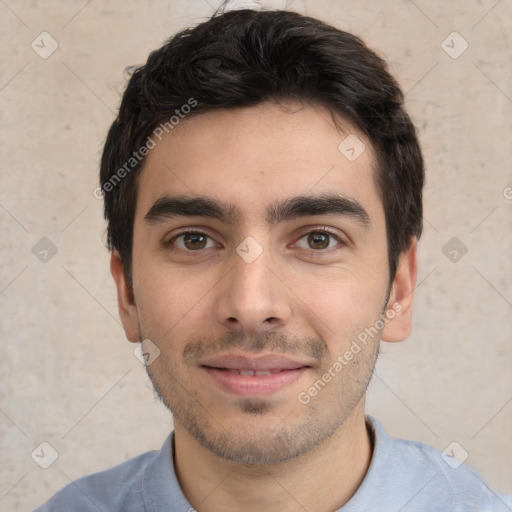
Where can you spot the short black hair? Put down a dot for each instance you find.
(245, 57)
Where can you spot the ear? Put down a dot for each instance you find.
(127, 308)
(401, 297)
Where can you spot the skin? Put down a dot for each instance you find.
(197, 296)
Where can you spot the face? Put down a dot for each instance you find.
(259, 256)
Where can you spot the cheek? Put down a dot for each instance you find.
(161, 299)
(168, 301)
(342, 306)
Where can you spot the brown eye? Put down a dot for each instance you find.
(192, 241)
(319, 240)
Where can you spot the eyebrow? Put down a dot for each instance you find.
(168, 207)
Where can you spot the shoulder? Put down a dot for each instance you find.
(116, 489)
(419, 477)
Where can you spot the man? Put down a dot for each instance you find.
(263, 192)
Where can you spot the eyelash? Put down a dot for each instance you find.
(341, 241)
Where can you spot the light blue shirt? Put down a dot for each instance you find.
(404, 476)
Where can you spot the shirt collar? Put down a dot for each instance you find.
(160, 487)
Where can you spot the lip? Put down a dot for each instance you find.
(247, 362)
(283, 372)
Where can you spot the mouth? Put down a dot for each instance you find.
(248, 373)
(246, 376)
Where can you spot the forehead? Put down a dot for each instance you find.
(250, 157)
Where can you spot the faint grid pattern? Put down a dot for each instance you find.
(68, 376)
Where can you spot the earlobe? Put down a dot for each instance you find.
(399, 314)
(127, 308)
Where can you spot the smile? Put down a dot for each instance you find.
(250, 373)
(253, 383)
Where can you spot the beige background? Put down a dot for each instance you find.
(68, 376)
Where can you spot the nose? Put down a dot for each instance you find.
(252, 297)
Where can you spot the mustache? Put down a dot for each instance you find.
(276, 342)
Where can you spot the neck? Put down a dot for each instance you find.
(323, 479)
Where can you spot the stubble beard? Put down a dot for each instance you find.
(298, 429)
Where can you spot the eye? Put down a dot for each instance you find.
(319, 240)
(192, 241)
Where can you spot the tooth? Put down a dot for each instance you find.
(236, 372)
(275, 371)
(247, 372)
(262, 372)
